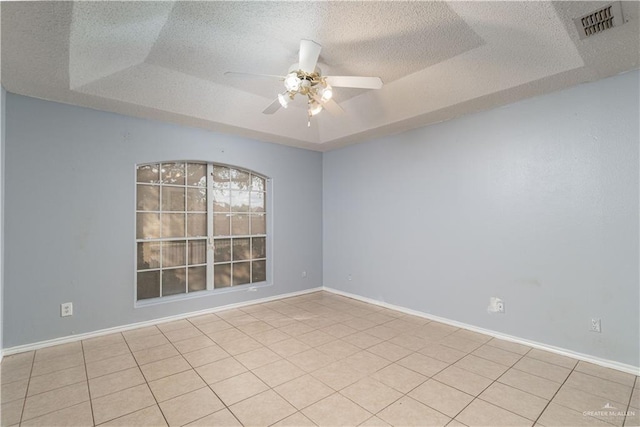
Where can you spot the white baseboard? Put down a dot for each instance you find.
(98, 333)
(635, 370)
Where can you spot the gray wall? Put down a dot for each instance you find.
(535, 202)
(70, 215)
(2, 134)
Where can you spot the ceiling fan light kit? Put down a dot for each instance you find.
(305, 79)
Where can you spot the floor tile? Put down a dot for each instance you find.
(137, 343)
(117, 381)
(110, 365)
(339, 330)
(155, 353)
(530, 383)
(460, 343)
(255, 327)
(289, 347)
(599, 387)
(102, 341)
(270, 337)
(497, 355)
(295, 420)
(174, 385)
(465, 381)
(10, 412)
(164, 368)
(203, 319)
(480, 366)
(553, 358)
(556, 415)
(193, 344)
(241, 345)
(174, 325)
(422, 364)
(226, 335)
(372, 395)
(311, 360)
(633, 417)
(58, 351)
(240, 387)
(124, 402)
(9, 374)
(362, 340)
(13, 391)
(278, 372)
(77, 415)
(95, 354)
(189, 407)
(337, 375)
(606, 373)
(57, 379)
(315, 338)
(509, 346)
(53, 400)
(514, 400)
(382, 332)
(399, 378)
(338, 349)
(147, 417)
(303, 391)
(296, 329)
(375, 422)
(221, 418)
(441, 397)
(255, 358)
(47, 366)
(220, 370)
(183, 334)
(389, 351)
(410, 412)
(215, 326)
(366, 362)
(262, 409)
(205, 355)
(580, 401)
(336, 410)
(481, 413)
(442, 353)
(410, 342)
(543, 369)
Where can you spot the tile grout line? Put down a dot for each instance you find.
(86, 373)
(145, 381)
(554, 395)
(626, 415)
(26, 393)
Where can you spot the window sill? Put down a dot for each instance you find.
(250, 287)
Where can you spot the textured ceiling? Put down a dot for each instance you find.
(438, 60)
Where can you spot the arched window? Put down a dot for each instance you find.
(199, 226)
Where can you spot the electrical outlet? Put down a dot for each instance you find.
(66, 309)
(499, 306)
(496, 305)
(596, 325)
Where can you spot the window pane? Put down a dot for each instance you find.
(258, 248)
(147, 225)
(197, 199)
(197, 252)
(239, 179)
(172, 173)
(174, 281)
(239, 201)
(172, 199)
(241, 273)
(221, 200)
(222, 276)
(221, 224)
(258, 224)
(257, 202)
(221, 250)
(172, 225)
(259, 271)
(239, 225)
(148, 173)
(197, 278)
(221, 177)
(197, 174)
(196, 225)
(148, 285)
(148, 255)
(241, 249)
(257, 183)
(173, 254)
(148, 198)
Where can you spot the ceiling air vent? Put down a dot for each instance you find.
(602, 19)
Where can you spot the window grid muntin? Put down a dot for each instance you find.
(210, 187)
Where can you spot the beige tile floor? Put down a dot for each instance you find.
(317, 359)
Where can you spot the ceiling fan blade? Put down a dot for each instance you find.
(309, 53)
(355, 81)
(272, 108)
(252, 75)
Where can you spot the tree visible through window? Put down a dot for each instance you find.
(199, 226)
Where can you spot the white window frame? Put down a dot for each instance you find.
(210, 290)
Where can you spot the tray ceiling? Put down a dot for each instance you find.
(438, 60)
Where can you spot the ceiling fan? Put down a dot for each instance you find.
(305, 78)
